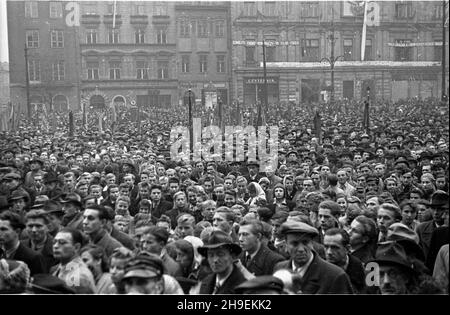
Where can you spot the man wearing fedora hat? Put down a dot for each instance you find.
(221, 252)
(253, 172)
(439, 205)
(317, 275)
(398, 273)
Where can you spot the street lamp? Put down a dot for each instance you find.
(332, 61)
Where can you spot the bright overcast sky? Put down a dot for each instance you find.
(3, 32)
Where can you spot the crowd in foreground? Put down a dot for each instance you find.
(350, 210)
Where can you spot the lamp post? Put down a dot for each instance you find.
(332, 61)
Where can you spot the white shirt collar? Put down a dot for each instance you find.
(302, 270)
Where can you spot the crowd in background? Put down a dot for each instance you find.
(349, 209)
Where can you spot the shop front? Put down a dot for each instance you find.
(254, 90)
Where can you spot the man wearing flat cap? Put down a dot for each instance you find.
(261, 285)
(144, 274)
(221, 252)
(317, 275)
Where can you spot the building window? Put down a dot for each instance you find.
(34, 70)
(161, 36)
(163, 69)
(89, 9)
(57, 39)
(185, 63)
(250, 55)
(91, 36)
(310, 50)
(140, 9)
(403, 52)
(249, 9)
(437, 12)
(404, 10)
(31, 9)
(220, 28)
(56, 10)
(160, 9)
(32, 39)
(270, 53)
(58, 71)
(348, 49)
(141, 70)
(202, 29)
(270, 8)
(114, 70)
(368, 52)
(92, 70)
(437, 53)
(185, 29)
(203, 60)
(113, 36)
(139, 36)
(221, 64)
(309, 9)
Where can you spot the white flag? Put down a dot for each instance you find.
(114, 14)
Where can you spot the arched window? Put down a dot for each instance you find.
(119, 101)
(60, 103)
(97, 102)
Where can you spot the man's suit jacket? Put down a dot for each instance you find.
(424, 231)
(47, 252)
(364, 254)
(439, 238)
(123, 238)
(321, 277)
(34, 260)
(263, 262)
(161, 208)
(235, 279)
(355, 272)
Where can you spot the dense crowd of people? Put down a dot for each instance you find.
(349, 209)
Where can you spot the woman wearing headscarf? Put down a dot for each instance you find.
(257, 196)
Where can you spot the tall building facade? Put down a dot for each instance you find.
(129, 58)
(204, 50)
(402, 58)
(38, 33)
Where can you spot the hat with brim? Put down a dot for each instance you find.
(407, 238)
(71, 198)
(37, 160)
(393, 253)
(296, 227)
(141, 273)
(11, 176)
(252, 163)
(219, 239)
(439, 199)
(260, 283)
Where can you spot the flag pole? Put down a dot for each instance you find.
(364, 30)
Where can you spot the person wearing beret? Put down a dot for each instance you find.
(317, 276)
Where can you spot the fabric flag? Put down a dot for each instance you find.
(12, 116)
(71, 124)
(114, 14)
(318, 126)
(366, 117)
(363, 39)
(100, 123)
